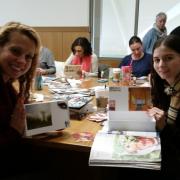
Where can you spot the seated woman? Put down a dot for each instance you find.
(46, 62)
(139, 61)
(82, 55)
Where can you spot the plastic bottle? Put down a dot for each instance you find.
(38, 83)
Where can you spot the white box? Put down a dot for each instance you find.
(130, 121)
(43, 117)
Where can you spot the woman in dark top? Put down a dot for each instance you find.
(165, 81)
(19, 51)
(139, 61)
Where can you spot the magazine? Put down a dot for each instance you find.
(126, 149)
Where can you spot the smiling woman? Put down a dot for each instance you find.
(19, 51)
(165, 81)
(17, 59)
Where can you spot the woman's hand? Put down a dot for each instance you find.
(40, 71)
(160, 117)
(19, 116)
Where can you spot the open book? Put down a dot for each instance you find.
(129, 139)
(126, 149)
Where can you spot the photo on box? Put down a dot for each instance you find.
(46, 116)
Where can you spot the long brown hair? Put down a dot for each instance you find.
(25, 80)
(84, 43)
(159, 97)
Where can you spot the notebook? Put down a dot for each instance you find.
(42, 117)
(73, 71)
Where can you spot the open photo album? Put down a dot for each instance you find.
(128, 139)
(126, 149)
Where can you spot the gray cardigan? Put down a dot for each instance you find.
(46, 59)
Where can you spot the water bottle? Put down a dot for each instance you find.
(38, 83)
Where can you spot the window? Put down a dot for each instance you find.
(115, 21)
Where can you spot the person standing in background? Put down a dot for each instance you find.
(165, 91)
(46, 62)
(139, 60)
(157, 31)
(82, 55)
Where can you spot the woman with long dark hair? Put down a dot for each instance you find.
(165, 81)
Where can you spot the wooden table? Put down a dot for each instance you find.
(65, 138)
(67, 158)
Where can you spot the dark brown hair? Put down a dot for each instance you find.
(84, 43)
(159, 97)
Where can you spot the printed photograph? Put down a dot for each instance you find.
(137, 148)
(38, 115)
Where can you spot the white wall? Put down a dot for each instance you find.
(51, 13)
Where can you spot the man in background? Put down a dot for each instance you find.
(157, 31)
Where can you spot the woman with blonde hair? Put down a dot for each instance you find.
(19, 53)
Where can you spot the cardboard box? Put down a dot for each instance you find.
(129, 98)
